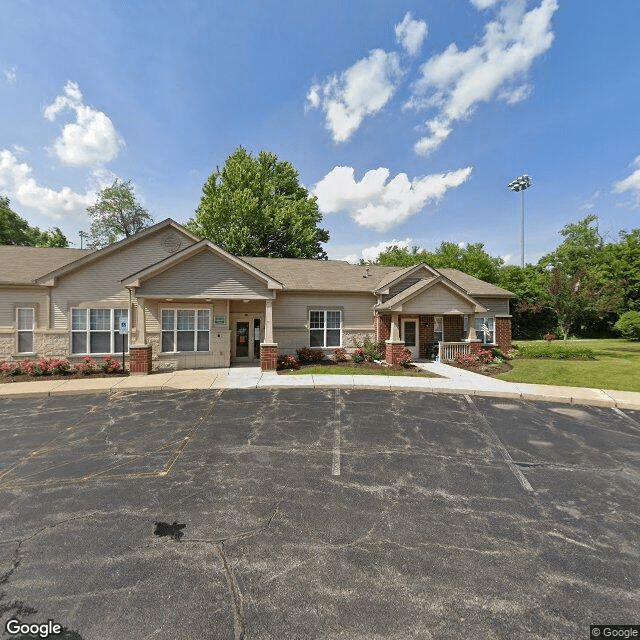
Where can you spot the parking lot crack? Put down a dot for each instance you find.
(237, 601)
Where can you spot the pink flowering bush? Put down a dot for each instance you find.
(360, 355)
(287, 362)
(42, 367)
(339, 355)
(406, 358)
(485, 356)
(10, 368)
(110, 365)
(87, 366)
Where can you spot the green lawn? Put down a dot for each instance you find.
(617, 367)
(357, 371)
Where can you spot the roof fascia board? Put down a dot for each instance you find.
(111, 248)
(405, 274)
(136, 279)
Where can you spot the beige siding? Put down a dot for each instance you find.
(98, 283)
(437, 300)
(495, 306)
(11, 298)
(401, 286)
(204, 274)
(291, 316)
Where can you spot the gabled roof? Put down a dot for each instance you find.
(23, 265)
(135, 279)
(399, 275)
(473, 286)
(111, 248)
(424, 285)
(298, 274)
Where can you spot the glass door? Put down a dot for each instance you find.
(242, 339)
(409, 334)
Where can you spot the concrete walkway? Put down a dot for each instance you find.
(452, 380)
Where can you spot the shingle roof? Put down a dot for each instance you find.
(321, 275)
(473, 286)
(22, 265)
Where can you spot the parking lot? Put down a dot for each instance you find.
(308, 513)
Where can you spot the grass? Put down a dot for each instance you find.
(356, 371)
(616, 366)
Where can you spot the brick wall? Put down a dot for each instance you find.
(503, 333)
(383, 327)
(268, 357)
(394, 352)
(453, 327)
(140, 360)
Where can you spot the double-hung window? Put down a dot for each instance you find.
(438, 329)
(485, 329)
(325, 328)
(98, 330)
(26, 319)
(185, 330)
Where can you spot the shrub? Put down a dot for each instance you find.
(628, 325)
(287, 362)
(549, 336)
(87, 366)
(406, 358)
(465, 359)
(513, 353)
(556, 351)
(498, 353)
(10, 368)
(110, 365)
(339, 355)
(360, 355)
(308, 356)
(375, 350)
(484, 356)
(59, 366)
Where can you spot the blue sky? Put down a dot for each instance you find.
(406, 119)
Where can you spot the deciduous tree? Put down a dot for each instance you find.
(116, 213)
(257, 207)
(16, 230)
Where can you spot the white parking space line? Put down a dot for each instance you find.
(505, 454)
(335, 467)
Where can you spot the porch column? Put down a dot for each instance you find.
(395, 328)
(141, 325)
(268, 349)
(472, 327)
(268, 322)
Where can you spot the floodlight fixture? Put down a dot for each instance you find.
(520, 184)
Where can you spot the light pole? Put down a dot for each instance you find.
(83, 235)
(520, 184)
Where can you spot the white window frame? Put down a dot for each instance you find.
(324, 328)
(174, 330)
(480, 320)
(87, 331)
(19, 330)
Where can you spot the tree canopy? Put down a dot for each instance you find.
(16, 230)
(116, 214)
(257, 207)
(471, 259)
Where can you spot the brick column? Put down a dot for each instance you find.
(268, 356)
(476, 345)
(394, 352)
(503, 334)
(140, 360)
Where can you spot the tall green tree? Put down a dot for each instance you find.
(257, 207)
(621, 263)
(471, 259)
(17, 231)
(116, 214)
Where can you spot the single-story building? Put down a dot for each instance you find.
(190, 304)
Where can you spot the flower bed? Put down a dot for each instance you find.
(59, 369)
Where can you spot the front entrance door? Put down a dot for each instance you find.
(246, 337)
(410, 336)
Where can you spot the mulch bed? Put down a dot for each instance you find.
(67, 376)
(486, 369)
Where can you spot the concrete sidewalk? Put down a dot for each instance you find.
(452, 381)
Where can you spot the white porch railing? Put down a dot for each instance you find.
(447, 350)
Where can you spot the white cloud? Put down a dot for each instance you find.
(374, 202)
(362, 90)
(411, 33)
(91, 139)
(10, 75)
(483, 4)
(631, 182)
(455, 81)
(18, 183)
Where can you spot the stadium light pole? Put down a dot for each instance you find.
(520, 184)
